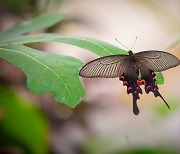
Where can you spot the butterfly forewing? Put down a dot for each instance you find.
(157, 60)
(107, 67)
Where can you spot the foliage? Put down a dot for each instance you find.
(47, 72)
(21, 125)
(110, 145)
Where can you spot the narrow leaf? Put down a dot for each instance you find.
(47, 72)
(39, 22)
(29, 39)
(96, 46)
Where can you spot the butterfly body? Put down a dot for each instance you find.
(134, 70)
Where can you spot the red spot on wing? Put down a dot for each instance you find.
(121, 78)
(125, 83)
(143, 82)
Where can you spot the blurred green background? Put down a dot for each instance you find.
(103, 123)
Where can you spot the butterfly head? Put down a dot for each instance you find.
(130, 52)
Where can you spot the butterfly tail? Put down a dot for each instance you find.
(135, 107)
(156, 93)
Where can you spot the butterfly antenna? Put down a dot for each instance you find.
(122, 44)
(134, 42)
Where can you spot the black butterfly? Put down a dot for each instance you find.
(133, 69)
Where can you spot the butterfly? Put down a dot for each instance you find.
(133, 70)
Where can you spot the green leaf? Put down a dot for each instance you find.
(96, 46)
(39, 22)
(159, 78)
(22, 125)
(47, 72)
(29, 39)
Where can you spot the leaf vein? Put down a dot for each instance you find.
(44, 66)
(37, 82)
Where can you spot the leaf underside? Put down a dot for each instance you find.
(47, 72)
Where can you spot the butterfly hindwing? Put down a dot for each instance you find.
(148, 77)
